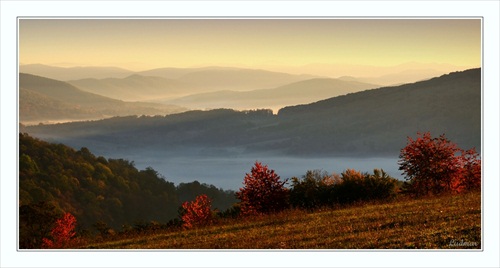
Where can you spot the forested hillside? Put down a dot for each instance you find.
(95, 189)
(379, 120)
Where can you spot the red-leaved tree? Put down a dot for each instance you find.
(470, 176)
(197, 212)
(436, 165)
(62, 233)
(263, 191)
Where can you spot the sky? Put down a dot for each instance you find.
(141, 44)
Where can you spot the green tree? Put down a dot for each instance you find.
(313, 190)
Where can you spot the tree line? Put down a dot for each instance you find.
(432, 166)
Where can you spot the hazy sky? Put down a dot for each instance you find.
(140, 44)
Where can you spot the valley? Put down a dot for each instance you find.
(215, 146)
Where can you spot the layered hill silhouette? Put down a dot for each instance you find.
(371, 122)
(305, 91)
(173, 91)
(397, 78)
(239, 79)
(73, 73)
(43, 99)
(134, 87)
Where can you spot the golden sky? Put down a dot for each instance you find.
(140, 44)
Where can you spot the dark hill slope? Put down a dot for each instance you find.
(62, 91)
(380, 119)
(34, 106)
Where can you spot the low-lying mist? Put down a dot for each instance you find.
(227, 171)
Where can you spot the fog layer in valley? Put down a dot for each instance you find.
(228, 171)
(220, 146)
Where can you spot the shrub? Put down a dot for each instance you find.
(313, 190)
(263, 191)
(356, 186)
(233, 212)
(380, 185)
(36, 222)
(197, 212)
(351, 187)
(436, 165)
(62, 233)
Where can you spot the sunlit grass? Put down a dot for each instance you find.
(446, 222)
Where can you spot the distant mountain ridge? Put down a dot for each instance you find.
(134, 87)
(44, 99)
(300, 92)
(370, 122)
(397, 78)
(72, 73)
(239, 79)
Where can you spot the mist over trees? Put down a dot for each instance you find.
(372, 122)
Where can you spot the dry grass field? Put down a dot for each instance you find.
(443, 222)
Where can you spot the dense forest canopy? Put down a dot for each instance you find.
(95, 189)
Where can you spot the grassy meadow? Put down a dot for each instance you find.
(441, 222)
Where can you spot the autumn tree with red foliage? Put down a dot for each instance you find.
(197, 212)
(436, 165)
(62, 233)
(263, 191)
(471, 170)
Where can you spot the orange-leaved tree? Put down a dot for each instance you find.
(62, 233)
(263, 191)
(197, 212)
(436, 165)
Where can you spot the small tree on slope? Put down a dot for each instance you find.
(62, 233)
(197, 212)
(263, 191)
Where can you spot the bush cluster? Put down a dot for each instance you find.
(318, 188)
